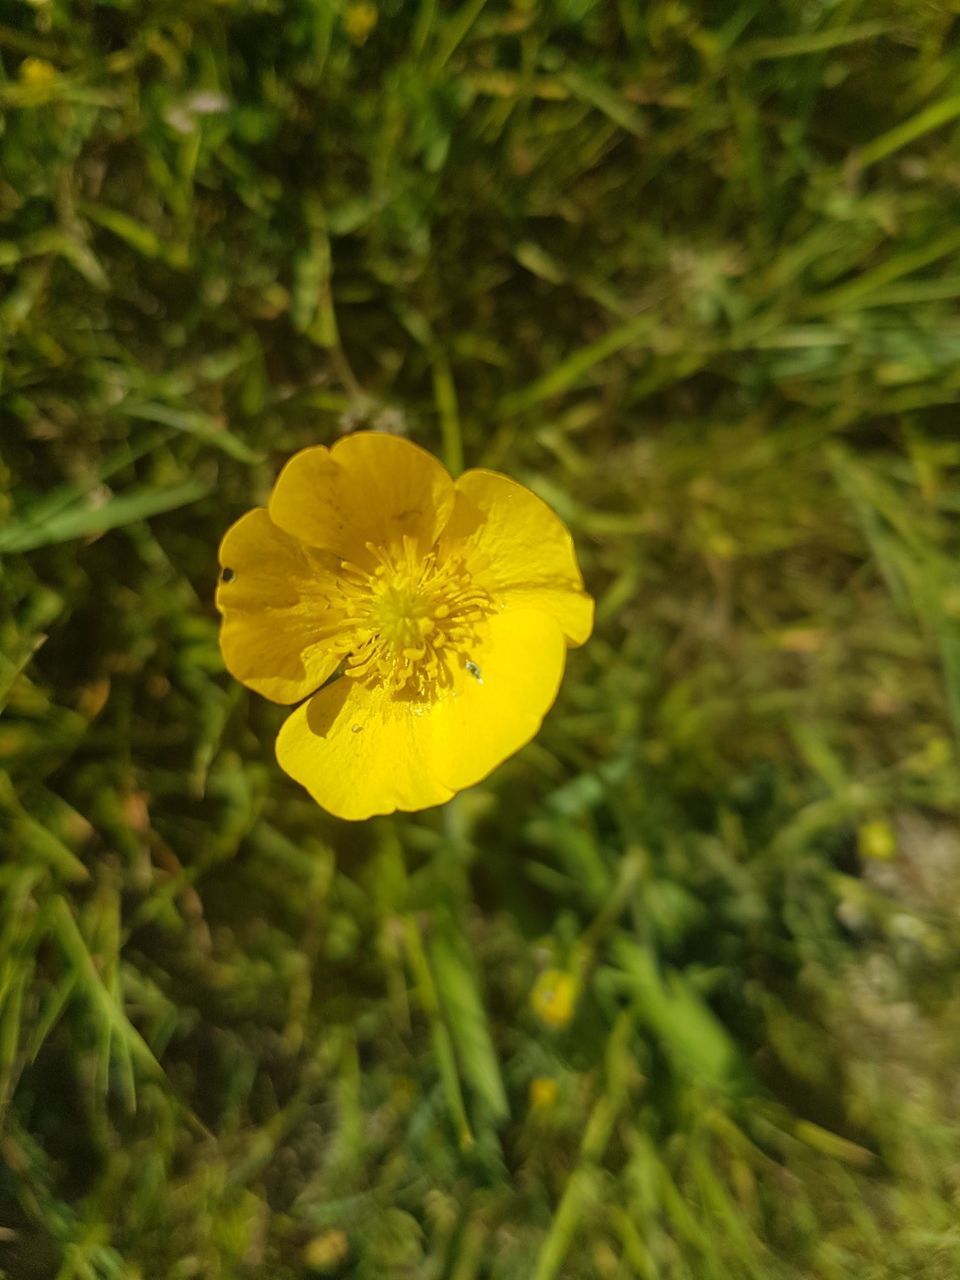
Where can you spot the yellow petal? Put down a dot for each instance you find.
(362, 751)
(370, 487)
(277, 618)
(498, 703)
(519, 550)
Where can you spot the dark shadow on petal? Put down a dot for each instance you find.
(324, 707)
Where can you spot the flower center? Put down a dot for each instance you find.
(404, 619)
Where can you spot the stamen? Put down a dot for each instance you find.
(403, 620)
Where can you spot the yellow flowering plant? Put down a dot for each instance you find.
(420, 622)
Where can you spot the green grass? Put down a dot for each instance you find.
(692, 273)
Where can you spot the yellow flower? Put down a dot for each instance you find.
(877, 839)
(37, 71)
(554, 997)
(445, 610)
(359, 20)
(543, 1093)
(325, 1253)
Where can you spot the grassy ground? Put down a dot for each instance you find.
(673, 995)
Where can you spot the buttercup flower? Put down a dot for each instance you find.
(554, 997)
(425, 621)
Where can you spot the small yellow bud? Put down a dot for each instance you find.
(543, 1093)
(37, 71)
(326, 1252)
(876, 839)
(359, 20)
(553, 997)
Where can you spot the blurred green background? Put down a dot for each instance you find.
(673, 995)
